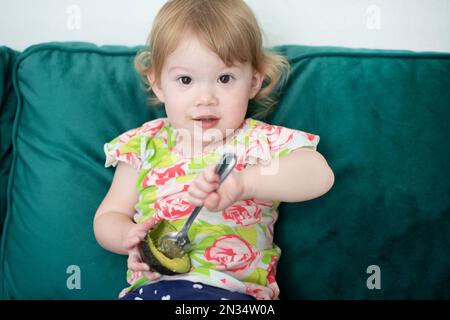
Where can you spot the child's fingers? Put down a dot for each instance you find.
(134, 261)
(210, 174)
(137, 266)
(205, 185)
(212, 201)
(131, 242)
(151, 275)
(195, 201)
(148, 224)
(197, 193)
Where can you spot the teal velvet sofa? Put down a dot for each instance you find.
(382, 232)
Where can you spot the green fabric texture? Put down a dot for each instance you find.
(7, 111)
(382, 118)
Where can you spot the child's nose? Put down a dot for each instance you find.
(206, 97)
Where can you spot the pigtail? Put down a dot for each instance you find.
(276, 73)
(143, 64)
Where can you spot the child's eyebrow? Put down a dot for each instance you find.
(179, 67)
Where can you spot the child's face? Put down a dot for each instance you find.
(195, 82)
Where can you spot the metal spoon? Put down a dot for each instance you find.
(175, 244)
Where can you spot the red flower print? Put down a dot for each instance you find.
(272, 270)
(232, 253)
(244, 212)
(257, 291)
(160, 176)
(173, 207)
(271, 281)
(130, 158)
(152, 127)
(259, 149)
(128, 135)
(134, 276)
(277, 136)
(310, 136)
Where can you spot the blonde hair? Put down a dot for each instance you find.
(227, 27)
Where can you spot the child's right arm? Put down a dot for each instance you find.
(114, 228)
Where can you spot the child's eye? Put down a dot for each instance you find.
(225, 78)
(185, 80)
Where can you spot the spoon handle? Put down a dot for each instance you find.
(223, 169)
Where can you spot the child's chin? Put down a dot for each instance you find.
(212, 134)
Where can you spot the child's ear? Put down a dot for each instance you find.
(257, 80)
(156, 86)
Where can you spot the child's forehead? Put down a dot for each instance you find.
(191, 52)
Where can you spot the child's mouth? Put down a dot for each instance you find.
(207, 121)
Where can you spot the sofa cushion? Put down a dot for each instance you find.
(382, 119)
(73, 97)
(8, 105)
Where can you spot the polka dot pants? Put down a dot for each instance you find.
(182, 290)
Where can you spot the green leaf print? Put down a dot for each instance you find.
(269, 253)
(205, 243)
(203, 161)
(186, 178)
(162, 157)
(146, 213)
(275, 204)
(148, 196)
(210, 229)
(246, 140)
(167, 160)
(178, 224)
(204, 263)
(252, 123)
(259, 276)
(113, 142)
(210, 234)
(141, 177)
(282, 153)
(170, 136)
(139, 282)
(249, 234)
(131, 146)
(202, 270)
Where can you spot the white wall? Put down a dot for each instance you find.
(419, 25)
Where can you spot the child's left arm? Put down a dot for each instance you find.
(301, 175)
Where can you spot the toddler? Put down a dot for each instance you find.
(205, 62)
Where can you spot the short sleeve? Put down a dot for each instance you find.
(126, 147)
(284, 140)
(267, 141)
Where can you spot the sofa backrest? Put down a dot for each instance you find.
(382, 117)
(8, 104)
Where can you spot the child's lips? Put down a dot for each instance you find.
(207, 121)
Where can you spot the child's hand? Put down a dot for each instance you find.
(135, 235)
(205, 190)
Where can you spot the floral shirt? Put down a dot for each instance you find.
(233, 248)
